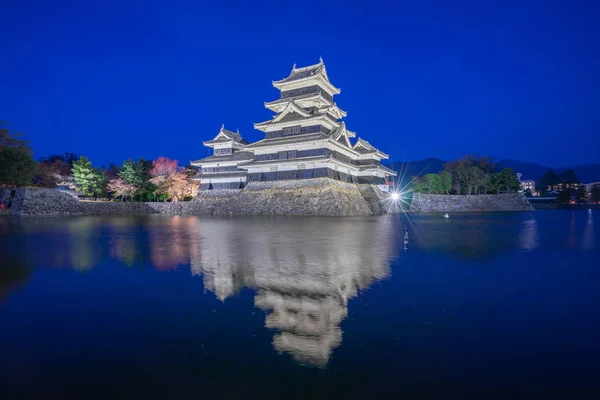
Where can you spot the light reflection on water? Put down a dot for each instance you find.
(321, 288)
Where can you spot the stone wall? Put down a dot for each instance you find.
(475, 203)
(324, 196)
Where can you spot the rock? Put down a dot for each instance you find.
(321, 196)
(474, 203)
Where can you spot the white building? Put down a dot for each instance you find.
(305, 139)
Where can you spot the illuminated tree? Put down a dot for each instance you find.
(89, 181)
(120, 188)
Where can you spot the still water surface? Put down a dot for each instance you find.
(314, 308)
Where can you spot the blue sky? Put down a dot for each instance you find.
(118, 79)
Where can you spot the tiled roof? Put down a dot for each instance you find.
(305, 72)
(296, 98)
(294, 160)
(236, 174)
(290, 139)
(236, 156)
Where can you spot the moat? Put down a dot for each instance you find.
(493, 305)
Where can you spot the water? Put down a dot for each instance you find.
(313, 308)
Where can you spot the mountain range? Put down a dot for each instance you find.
(586, 172)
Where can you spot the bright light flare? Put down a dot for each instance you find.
(395, 196)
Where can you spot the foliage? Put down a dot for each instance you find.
(182, 186)
(508, 181)
(17, 167)
(466, 172)
(53, 174)
(548, 180)
(564, 196)
(446, 181)
(68, 158)
(136, 173)
(120, 188)
(163, 167)
(171, 182)
(568, 176)
(15, 140)
(88, 180)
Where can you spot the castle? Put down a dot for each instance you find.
(305, 139)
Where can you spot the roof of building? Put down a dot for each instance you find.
(364, 147)
(304, 72)
(299, 74)
(290, 139)
(295, 117)
(293, 160)
(235, 156)
(297, 98)
(235, 174)
(225, 135)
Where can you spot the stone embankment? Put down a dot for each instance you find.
(474, 203)
(323, 197)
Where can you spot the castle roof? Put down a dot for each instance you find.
(290, 139)
(310, 72)
(225, 135)
(235, 156)
(364, 147)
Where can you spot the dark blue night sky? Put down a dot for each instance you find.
(118, 79)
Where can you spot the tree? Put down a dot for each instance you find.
(434, 183)
(136, 173)
(52, 174)
(12, 140)
(446, 181)
(89, 181)
(467, 171)
(121, 189)
(509, 180)
(17, 167)
(568, 176)
(547, 181)
(163, 167)
(564, 196)
(182, 187)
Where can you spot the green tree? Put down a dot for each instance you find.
(446, 181)
(433, 183)
(509, 181)
(137, 173)
(89, 180)
(17, 167)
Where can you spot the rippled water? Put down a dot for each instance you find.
(184, 307)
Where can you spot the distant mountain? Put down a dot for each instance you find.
(529, 170)
(586, 173)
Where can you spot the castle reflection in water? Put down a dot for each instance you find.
(303, 271)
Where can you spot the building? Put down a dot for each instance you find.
(527, 185)
(222, 169)
(305, 139)
(591, 190)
